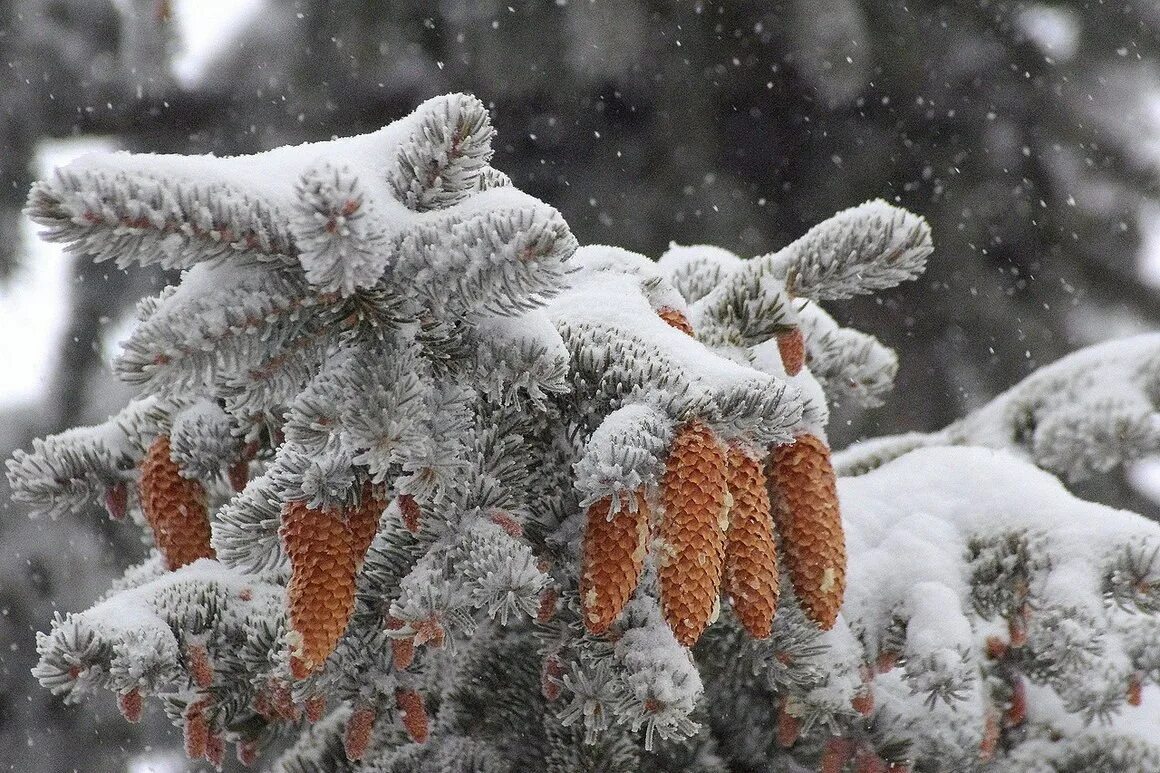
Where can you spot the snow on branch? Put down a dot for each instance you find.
(423, 472)
(1080, 416)
(139, 216)
(85, 465)
(440, 164)
(873, 246)
(997, 551)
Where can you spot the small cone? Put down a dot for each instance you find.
(175, 508)
(364, 519)
(695, 497)
(835, 754)
(198, 663)
(117, 500)
(1016, 713)
(413, 714)
(402, 653)
(750, 553)
(275, 702)
(506, 522)
(195, 731)
(676, 319)
(789, 726)
(129, 704)
(358, 733)
(239, 475)
(614, 552)
(411, 512)
(215, 750)
(805, 497)
(549, 602)
(791, 345)
(323, 564)
(863, 700)
(1135, 689)
(991, 735)
(551, 677)
(315, 707)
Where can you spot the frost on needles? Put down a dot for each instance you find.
(431, 487)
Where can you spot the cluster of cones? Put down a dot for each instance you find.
(716, 535)
(325, 548)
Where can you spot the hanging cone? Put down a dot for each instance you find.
(695, 499)
(215, 750)
(413, 714)
(791, 345)
(805, 506)
(117, 500)
(323, 564)
(364, 519)
(750, 552)
(175, 508)
(613, 559)
(676, 319)
(198, 664)
(835, 754)
(358, 733)
(315, 708)
(549, 602)
(130, 705)
(411, 512)
(195, 730)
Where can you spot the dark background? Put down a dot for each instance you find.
(1026, 133)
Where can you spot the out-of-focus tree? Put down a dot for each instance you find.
(1020, 130)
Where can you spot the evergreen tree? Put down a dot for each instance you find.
(430, 486)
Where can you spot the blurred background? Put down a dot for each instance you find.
(1027, 133)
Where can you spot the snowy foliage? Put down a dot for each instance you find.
(393, 384)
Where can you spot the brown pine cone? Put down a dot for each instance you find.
(695, 499)
(130, 705)
(315, 708)
(323, 564)
(750, 552)
(676, 319)
(364, 519)
(198, 664)
(357, 737)
(411, 512)
(175, 508)
(791, 345)
(614, 552)
(195, 730)
(805, 505)
(413, 714)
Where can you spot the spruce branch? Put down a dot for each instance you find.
(1083, 415)
(444, 159)
(490, 488)
(873, 246)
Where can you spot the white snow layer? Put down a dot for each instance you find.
(908, 525)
